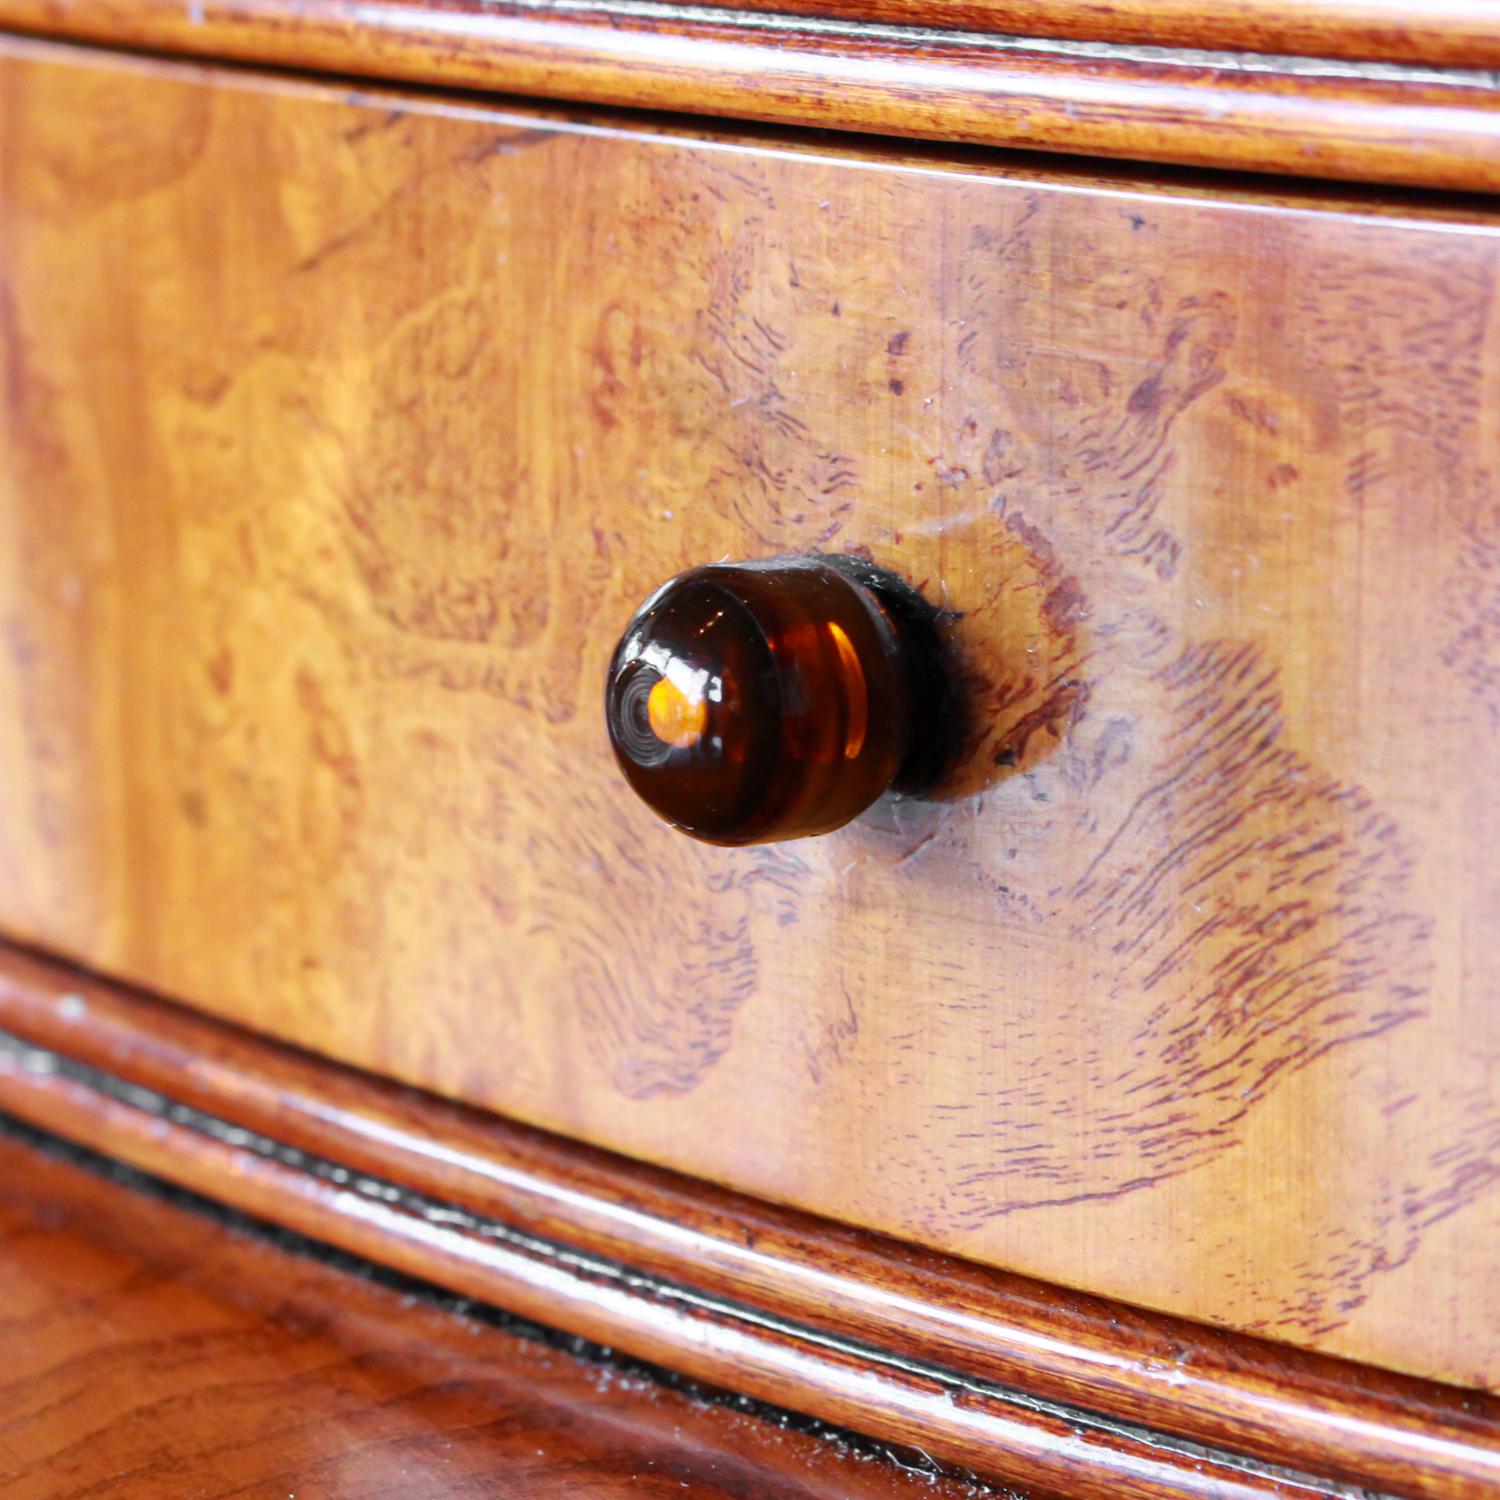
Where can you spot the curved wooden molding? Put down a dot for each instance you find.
(1462, 33)
(1006, 1376)
(1359, 122)
(152, 1348)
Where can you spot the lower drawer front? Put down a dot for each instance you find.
(341, 437)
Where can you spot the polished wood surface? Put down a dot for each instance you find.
(1456, 33)
(1243, 112)
(149, 1349)
(1064, 1451)
(341, 438)
(1349, 1424)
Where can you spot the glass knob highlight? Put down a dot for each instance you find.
(752, 702)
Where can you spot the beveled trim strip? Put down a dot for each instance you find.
(1347, 120)
(993, 1372)
(1464, 33)
(1005, 1433)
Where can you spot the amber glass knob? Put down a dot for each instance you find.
(749, 702)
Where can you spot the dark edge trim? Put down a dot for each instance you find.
(58, 1148)
(590, 1267)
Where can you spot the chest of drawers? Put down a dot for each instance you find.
(345, 429)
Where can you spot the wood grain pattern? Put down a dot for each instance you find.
(1346, 1423)
(1335, 120)
(343, 434)
(149, 1349)
(1456, 33)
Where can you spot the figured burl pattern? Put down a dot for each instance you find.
(342, 436)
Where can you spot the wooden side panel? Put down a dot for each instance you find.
(342, 435)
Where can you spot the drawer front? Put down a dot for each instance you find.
(343, 434)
